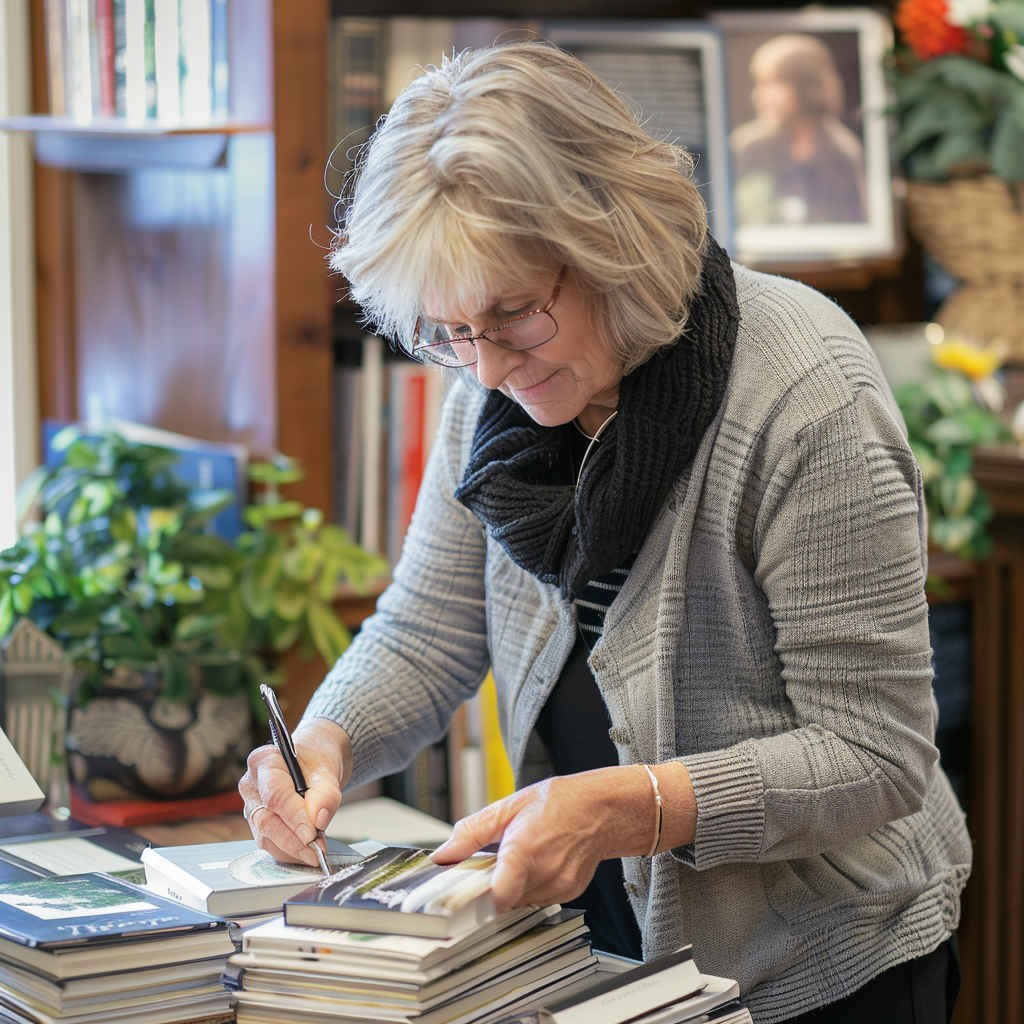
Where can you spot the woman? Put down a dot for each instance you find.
(796, 162)
(671, 505)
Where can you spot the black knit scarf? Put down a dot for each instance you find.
(518, 480)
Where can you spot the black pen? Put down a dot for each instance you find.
(283, 741)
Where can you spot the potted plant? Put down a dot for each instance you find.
(170, 628)
(958, 79)
(947, 416)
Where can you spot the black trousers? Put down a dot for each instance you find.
(921, 991)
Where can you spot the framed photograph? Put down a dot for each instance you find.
(807, 133)
(672, 73)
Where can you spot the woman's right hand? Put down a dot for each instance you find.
(282, 822)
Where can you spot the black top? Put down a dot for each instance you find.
(573, 725)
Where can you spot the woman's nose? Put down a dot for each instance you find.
(494, 364)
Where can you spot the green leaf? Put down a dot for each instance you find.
(301, 563)
(196, 625)
(290, 602)
(1008, 141)
(283, 634)
(953, 535)
(202, 547)
(179, 593)
(204, 505)
(177, 681)
(6, 611)
(258, 583)
(214, 577)
(329, 633)
(65, 437)
(121, 646)
(1009, 15)
(957, 494)
(29, 492)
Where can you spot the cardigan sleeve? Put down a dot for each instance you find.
(424, 651)
(839, 549)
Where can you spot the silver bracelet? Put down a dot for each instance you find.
(657, 810)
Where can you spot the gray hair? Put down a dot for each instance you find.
(515, 161)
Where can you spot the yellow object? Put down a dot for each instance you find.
(500, 779)
(955, 353)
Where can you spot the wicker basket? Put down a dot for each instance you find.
(974, 227)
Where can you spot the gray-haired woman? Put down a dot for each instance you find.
(671, 506)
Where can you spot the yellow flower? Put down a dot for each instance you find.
(958, 354)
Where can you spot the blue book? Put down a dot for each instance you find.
(73, 925)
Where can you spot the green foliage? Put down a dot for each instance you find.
(963, 113)
(122, 572)
(945, 421)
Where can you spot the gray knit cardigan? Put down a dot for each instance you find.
(772, 635)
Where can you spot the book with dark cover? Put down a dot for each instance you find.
(400, 891)
(50, 914)
(621, 997)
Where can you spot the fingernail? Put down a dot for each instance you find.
(306, 833)
(323, 819)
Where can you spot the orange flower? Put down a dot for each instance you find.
(926, 30)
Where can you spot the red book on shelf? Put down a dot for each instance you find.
(412, 445)
(126, 813)
(105, 53)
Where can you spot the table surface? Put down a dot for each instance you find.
(222, 829)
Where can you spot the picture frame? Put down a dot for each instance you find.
(672, 73)
(808, 134)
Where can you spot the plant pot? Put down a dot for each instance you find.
(129, 741)
(974, 228)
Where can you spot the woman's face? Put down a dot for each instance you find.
(572, 375)
(776, 102)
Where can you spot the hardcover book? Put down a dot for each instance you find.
(233, 878)
(66, 926)
(621, 997)
(400, 891)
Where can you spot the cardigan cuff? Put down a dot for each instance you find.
(730, 808)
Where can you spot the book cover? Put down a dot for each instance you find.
(120, 58)
(56, 14)
(116, 851)
(167, 60)
(219, 60)
(401, 891)
(621, 997)
(195, 30)
(235, 877)
(74, 910)
(105, 45)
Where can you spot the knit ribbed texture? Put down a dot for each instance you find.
(772, 635)
(568, 535)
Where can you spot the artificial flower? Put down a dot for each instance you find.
(1014, 60)
(926, 28)
(956, 353)
(966, 12)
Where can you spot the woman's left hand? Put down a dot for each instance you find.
(554, 833)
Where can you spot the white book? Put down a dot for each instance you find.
(168, 52)
(372, 408)
(19, 792)
(135, 59)
(79, 68)
(234, 878)
(195, 35)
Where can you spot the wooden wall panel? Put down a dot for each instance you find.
(304, 322)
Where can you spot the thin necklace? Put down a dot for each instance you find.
(593, 439)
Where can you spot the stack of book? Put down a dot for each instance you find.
(402, 940)
(93, 948)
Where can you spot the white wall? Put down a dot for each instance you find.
(19, 416)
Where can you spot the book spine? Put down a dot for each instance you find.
(149, 57)
(219, 75)
(55, 13)
(135, 95)
(195, 31)
(78, 70)
(356, 92)
(120, 58)
(105, 49)
(413, 447)
(166, 55)
(372, 403)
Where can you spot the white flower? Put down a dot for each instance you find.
(1014, 60)
(967, 12)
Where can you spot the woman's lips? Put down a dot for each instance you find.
(533, 391)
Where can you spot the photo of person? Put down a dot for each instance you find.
(796, 162)
(811, 175)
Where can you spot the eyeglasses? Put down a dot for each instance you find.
(440, 344)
